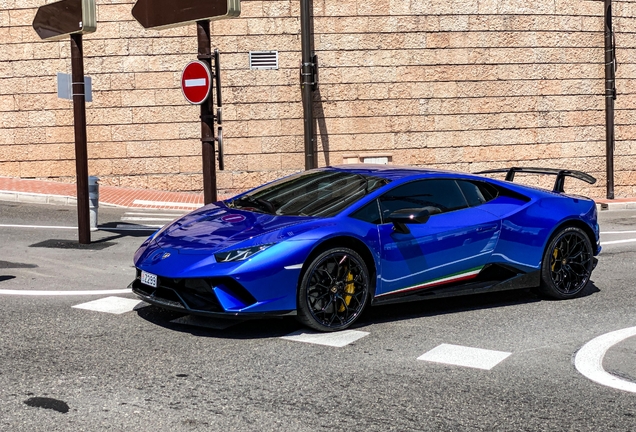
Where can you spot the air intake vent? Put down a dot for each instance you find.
(263, 59)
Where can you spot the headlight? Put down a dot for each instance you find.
(240, 254)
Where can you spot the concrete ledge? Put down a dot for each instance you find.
(35, 198)
(9, 196)
(625, 205)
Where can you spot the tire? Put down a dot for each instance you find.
(333, 291)
(567, 264)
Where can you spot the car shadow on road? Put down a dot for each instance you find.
(236, 329)
(276, 327)
(424, 308)
(123, 229)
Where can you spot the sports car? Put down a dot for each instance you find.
(326, 243)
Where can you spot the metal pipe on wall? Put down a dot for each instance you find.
(610, 97)
(307, 83)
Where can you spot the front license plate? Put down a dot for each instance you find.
(149, 279)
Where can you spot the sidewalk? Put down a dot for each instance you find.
(49, 192)
(616, 204)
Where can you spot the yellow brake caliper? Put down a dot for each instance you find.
(349, 290)
(554, 254)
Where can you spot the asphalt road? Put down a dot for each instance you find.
(65, 368)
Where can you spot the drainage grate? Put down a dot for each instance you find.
(263, 59)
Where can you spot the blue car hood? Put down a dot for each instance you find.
(212, 229)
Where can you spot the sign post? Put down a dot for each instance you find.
(207, 117)
(81, 151)
(56, 21)
(162, 14)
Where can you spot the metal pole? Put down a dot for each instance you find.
(207, 118)
(307, 83)
(81, 153)
(610, 96)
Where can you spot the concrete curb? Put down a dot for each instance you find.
(604, 206)
(35, 198)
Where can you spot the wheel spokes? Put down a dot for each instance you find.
(337, 289)
(570, 263)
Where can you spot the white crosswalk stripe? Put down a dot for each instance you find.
(458, 355)
(335, 339)
(113, 305)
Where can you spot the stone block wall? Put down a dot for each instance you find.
(455, 84)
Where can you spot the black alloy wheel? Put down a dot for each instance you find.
(334, 290)
(567, 264)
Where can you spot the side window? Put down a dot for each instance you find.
(477, 193)
(440, 193)
(369, 213)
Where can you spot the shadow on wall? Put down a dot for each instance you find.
(321, 130)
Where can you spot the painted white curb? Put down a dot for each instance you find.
(589, 359)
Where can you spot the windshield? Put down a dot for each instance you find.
(322, 193)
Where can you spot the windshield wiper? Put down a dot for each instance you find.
(261, 203)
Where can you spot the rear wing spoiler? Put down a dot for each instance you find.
(560, 174)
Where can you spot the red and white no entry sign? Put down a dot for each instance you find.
(196, 82)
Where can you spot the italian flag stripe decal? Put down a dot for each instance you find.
(456, 277)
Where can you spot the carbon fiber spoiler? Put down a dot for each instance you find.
(561, 174)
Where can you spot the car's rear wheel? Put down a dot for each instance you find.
(334, 290)
(567, 264)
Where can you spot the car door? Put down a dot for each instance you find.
(452, 246)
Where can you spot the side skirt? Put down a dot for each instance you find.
(519, 281)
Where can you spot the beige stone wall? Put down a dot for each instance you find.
(466, 85)
(458, 84)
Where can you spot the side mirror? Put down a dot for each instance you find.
(400, 218)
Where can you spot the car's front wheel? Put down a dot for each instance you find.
(567, 264)
(334, 290)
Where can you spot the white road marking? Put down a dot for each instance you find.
(465, 356)
(618, 232)
(197, 321)
(166, 203)
(335, 339)
(195, 82)
(605, 243)
(135, 218)
(134, 228)
(37, 226)
(589, 359)
(119, 227)
(114, 305)
(62, 293)
(179, 213)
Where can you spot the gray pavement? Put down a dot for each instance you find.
(67, 365)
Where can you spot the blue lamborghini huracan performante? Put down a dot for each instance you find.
(325, 243)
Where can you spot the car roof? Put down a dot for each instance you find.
(394, 172)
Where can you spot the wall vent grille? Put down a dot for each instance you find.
(263, 59)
